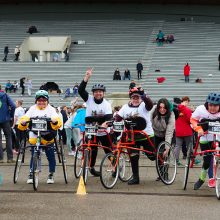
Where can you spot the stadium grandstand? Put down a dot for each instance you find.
(109, 36)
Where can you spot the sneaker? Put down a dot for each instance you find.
(198, 184)
(50, 179)
(179, 163)
(11, 161)
(184, 157)
(211, 183)
(30, 179)
(94, 172)
(197, 161)
(71, 153)
(133, 181)
(158, 178)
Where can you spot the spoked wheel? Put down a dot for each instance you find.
(63, 161)
(166, 165)
(36, 171)
(86, 165)
(186, 167)
(78, 162)
(19, 160)
(217, 179)
(125, 172)
(109, 171)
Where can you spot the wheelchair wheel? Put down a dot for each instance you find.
(125, 172)
(109, 171)
(86, 165)
(166, 166)
(78, 162)
(19, 160)
(186, 167)
(63, 161)
(36, 170)
(217, 179)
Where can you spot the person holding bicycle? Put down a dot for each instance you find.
(209, 111)
(99, 107)
(138, 106)
(42, 108)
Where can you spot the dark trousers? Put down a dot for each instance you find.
(105, 142)
(139, 74)
(20, 135)
(5, 58)
(186, 79)
(49, 151)
(207, 158)
(22, 91)
(5, 126)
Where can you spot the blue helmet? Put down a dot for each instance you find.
(213, 98)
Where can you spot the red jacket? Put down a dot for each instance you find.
(186, 70)
(183, 127)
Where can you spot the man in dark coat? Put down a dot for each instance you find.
(139, 68)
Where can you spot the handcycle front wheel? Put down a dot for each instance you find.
(86, 165)
(109, 171)
(186, 167)
(125, 171)
(63, 161)
(78, 162)
(36, 171)
(166, 165)
(19, 160)
(217, 178)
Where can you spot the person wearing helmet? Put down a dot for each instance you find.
(42, 108)
(99, 107)
(138, 106)
(209, 111)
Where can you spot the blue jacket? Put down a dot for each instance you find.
(79, 119)
(7, 107)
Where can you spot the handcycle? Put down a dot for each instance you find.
(213, 128)
(38, 125)
(110, 165)
(83, 155)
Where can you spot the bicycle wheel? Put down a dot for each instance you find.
(78, 162)
(63, 161)
(186, 167)
(217, 179)
(86, 165)
(166, 166)
(125, 171)
(109, 171)
(19, 161)
(36, 170)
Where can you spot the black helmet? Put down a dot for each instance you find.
(213, 98)
(98, 87)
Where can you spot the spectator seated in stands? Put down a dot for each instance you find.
(160, 38)
(127, 74)
(8, 86)
(75, 89)
(68, 93)
(198, 80)
(117, 75)
(32, 29)
(170, 38)
(15, 86)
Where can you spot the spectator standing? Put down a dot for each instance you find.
(139, 68)
(7, 108)
(17, 53)
(19, 112)
(187, 72)
(117, 75)
(29, 86)
(183, 127)
(66, 52)
(127, 74)
(22, 85)
(219, 62)
(6, 51)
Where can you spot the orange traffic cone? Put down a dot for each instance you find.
(81, 187)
